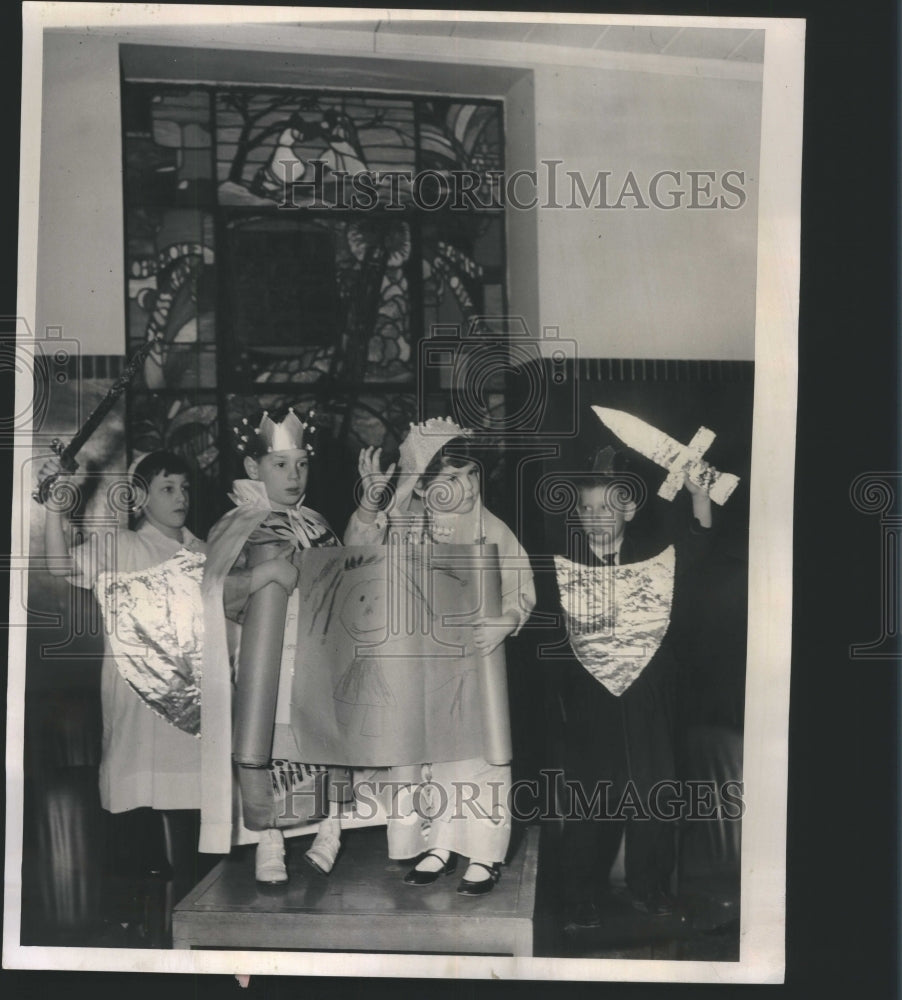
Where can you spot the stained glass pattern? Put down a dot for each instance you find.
(171, 295)
(268, 143)
(167, 142)
(185, 424)
(457, 137)
(284, 311)
(265, 253)
(463, 269)
(376, 297)
(320, 297)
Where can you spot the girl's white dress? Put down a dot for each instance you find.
(460, 805)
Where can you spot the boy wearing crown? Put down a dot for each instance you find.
(250, 580)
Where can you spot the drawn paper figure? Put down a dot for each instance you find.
(364, 618)
(389, 673)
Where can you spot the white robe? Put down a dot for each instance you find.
(146, 761)
(433, 812)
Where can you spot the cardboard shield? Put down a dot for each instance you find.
(155, 622)
(616, 616)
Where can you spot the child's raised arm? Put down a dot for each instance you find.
(56, 544)
(701, 502)
(364, 526)
(374, 484)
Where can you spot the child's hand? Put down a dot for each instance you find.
(701, 501)
(491, 632)
(283, 572)
(51, 467)
(693, 488)
(49, 489)
(374, 483)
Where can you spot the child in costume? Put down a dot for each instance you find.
(438, 501)
(250, 549)
(614, 674)
(147, 582)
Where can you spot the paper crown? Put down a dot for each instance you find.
(425, 440)
(290, 432)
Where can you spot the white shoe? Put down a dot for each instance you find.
(270, 861)
(323, 851)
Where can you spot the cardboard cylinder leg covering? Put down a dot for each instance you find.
(259, 663)
(496, 725)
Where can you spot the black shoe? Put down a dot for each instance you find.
(582, 916)
(655, 904)
(467, 888)
(415, 877)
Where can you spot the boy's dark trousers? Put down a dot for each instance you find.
(627, 742)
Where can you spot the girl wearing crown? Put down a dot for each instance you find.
(437, 500)
(251, 579)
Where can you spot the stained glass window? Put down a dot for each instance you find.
(167, 139)
(267, 141)
(289, 245)
(172, 295)
(282, 291)
(458, 138)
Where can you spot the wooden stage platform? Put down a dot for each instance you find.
(362, 906)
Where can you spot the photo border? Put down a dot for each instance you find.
(762, 928)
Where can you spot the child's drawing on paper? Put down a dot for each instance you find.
(388, 669)
(363, 684)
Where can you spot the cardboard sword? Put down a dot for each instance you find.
(67, 453)
(678, 459)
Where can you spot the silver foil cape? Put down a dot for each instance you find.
(155, 624)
